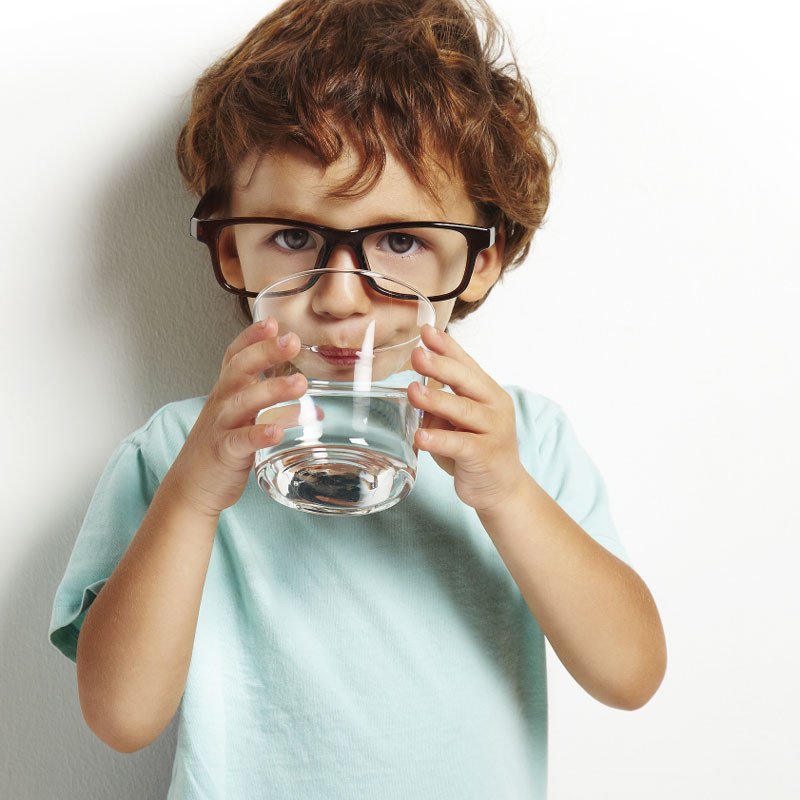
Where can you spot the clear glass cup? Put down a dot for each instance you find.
(348, 441)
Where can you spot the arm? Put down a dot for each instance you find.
(595, 611)
(136, 640)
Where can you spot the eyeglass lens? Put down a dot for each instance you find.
(255, 255)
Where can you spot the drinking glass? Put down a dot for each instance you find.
(348, 441)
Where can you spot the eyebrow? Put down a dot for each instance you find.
(301, 216)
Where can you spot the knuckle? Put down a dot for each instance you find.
(233, 441)
(216, 449)
(232, 349)
(228, 442)
(273, 390)
(471, 448)
(290, 383)
(235, 361)
(266, 350)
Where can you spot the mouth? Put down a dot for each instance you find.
(347, 356)
(341, 356)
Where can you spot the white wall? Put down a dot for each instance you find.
(659, 308)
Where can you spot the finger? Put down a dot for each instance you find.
(245, 404)
(430, 420)
(250, 335)
(292, 415)
(461, 412)
(245, 366)
(458, 445)
(242, 443)
(454, 368)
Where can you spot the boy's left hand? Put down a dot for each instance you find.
(471, 433)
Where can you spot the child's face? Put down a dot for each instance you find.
(293, 185)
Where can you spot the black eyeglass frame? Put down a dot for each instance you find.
(207, 231)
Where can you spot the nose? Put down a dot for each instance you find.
(341, 295)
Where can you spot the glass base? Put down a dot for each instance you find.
(335, 479)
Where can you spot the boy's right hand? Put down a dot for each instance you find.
(213, 466)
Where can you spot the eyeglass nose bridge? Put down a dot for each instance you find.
(351, 239)
(354, 239)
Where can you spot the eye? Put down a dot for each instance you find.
(293, 238)
(401, 243)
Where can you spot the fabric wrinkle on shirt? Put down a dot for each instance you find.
(382, 656)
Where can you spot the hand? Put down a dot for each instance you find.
(213, 466)
(471, 434)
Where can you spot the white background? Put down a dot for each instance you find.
(658, 307)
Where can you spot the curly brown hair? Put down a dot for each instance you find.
(422, 77)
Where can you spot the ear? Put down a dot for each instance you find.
(229, 260)
(488, 266)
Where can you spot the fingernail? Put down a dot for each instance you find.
(284, 340)
(435, 330)
(423, 389)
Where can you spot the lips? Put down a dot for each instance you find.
(343, 356)
(337, 352)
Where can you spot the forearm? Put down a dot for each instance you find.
(595, 611)
(136, 641)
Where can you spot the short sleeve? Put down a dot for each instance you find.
(564, 469)
(119, 503)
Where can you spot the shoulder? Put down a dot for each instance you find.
(541, 423)
(176, 417)
(159, 440)
(534, 411)
(552, 451)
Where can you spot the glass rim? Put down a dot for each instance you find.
(364, 275)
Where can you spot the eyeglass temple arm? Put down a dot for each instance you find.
(208, 202)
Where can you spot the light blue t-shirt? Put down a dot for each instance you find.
(382, 657)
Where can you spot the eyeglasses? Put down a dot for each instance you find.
(437, 258)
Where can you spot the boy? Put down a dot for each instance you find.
(401, 654)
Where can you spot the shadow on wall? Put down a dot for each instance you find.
(154, 283)
(150, 293)
(49, 752)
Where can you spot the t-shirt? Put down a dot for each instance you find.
(387, 656)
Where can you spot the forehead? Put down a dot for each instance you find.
(292, 183)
